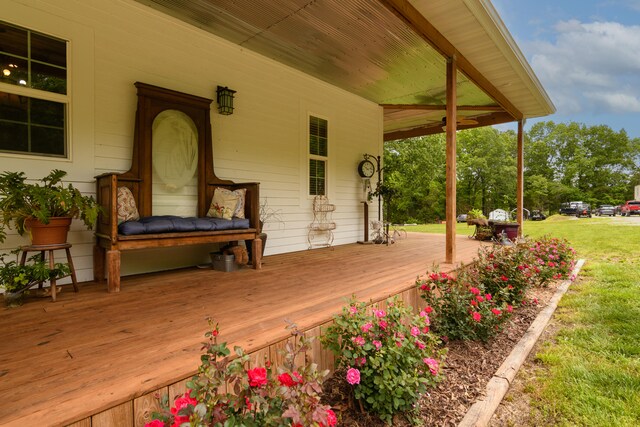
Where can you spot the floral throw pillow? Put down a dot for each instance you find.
(126, 206)
(223, 204)
(239, 210)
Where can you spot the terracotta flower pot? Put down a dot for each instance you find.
(53, 233)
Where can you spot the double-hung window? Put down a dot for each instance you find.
(33, 93)
(318, 155)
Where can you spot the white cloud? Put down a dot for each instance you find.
(590, 67)
(616, 102)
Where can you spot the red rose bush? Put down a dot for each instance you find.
(258, 397)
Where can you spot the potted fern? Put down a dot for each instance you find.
(41, 206)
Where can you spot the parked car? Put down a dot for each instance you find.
(569, 208)
(631, 207)
(537, 215)
(462, 218)
(583, 209)
(608, 210)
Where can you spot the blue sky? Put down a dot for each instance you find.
(586, 53)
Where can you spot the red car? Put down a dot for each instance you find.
(632, 207)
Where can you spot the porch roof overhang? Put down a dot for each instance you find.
(391, 52)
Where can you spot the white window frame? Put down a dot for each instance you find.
(310, 156)
(45, 96)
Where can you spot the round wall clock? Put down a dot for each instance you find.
(366, 169)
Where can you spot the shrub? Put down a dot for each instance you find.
(474, 305)
(258, 397)
(461, 310)
(390, 357)
(505, 272)
(553, 259)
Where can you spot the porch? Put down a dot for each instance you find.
(97, 359)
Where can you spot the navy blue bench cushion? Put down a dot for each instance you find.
(177, 224)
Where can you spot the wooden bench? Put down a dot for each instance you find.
(152, 101)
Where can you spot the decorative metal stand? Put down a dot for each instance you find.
(379, 169)
(322, 226)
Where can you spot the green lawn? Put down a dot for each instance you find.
(589, 373)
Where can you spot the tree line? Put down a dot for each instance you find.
(563, 162)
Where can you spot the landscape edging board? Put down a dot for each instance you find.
(480, 413)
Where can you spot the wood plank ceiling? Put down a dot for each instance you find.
(385, 51)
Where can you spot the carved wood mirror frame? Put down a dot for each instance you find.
(153, 100)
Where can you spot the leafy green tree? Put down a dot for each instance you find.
(414, 169)
(563, 162)
(486, 169)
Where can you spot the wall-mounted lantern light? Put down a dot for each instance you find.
(225, 100)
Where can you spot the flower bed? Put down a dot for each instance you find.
(469, 367)
(390, 361)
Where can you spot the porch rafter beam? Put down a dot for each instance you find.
(432, 129)
(409, 14)
(441, 107)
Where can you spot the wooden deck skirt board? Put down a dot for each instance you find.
(97, 359)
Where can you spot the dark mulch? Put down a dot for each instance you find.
(468, 368)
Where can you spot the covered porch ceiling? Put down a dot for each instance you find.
(391, 52)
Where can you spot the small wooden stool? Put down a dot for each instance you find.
(51, 249)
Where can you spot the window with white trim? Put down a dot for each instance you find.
(318, 155)
(33, 92)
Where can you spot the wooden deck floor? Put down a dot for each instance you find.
(64, 362)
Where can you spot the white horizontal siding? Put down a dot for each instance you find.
(119, 42)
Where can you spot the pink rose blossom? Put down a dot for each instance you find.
(509, 308)
(476, 316)
(155, 423)
(353, 376)
(398, 344)
(496, 311)
(428, 309)
(358, 340)
(361, 361)
(415, 331)
(377, 344)
(475, 291)
(420, 345)
(504, 278)
(353, 309)
(480, 298)
(432, 364)
(383, 324)
(366, 327)
(488, 297)
(379, 313)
